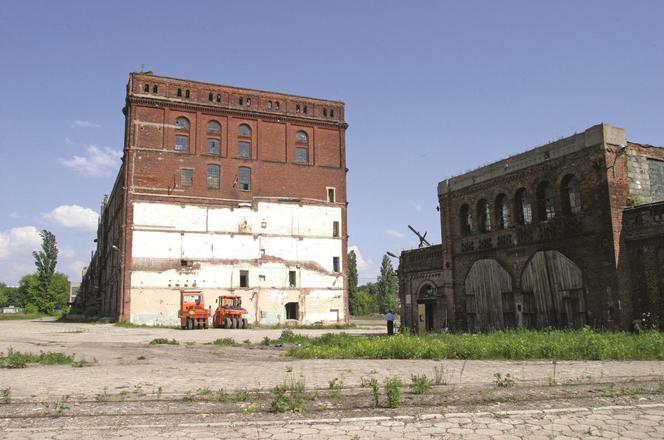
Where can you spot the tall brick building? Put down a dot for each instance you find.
(564, 235)
(226, 190)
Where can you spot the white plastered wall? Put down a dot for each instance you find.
(186, 246)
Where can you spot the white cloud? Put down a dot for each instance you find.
(394, 233)
(73, 217)
(74, 270)
(19, 241)
(85, 124)
(66, 252)
(98, 162)
(366, 268)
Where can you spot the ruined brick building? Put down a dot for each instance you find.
(564, 235)
(226, 190)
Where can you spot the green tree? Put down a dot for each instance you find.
(388, 286)
(352, 283)
(367, 300)
(29, 294)
(45, 260)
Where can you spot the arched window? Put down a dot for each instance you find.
(302, 147)
(502, 212)
(276, 105)
(244, 141)
(213, 176)
(465, 221)
(182, 134)
(570, 196)
(546, 209)
(218, 98)
(523, 210)
(244, 179)
(483, 216)
(214, 127)
(146, 88)
(182, 123)
(269, 105)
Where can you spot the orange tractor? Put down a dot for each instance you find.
(229, 313)
(193, 313)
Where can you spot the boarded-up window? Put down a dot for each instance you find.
(213, 176)
(186, 177)
(656, 174)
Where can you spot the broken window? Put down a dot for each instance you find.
(325, 112)
(524, 213)
(179, 93)
(182, 123)
(181, 143)
(331, 196)
(484, 216)
(248, 101)
(304, 110)
(502, 212)
(186, 177)
(545, 202)
(241, 101)
(269, 105)
(213, 176)
(292, 310)
(465, 220)
(244, 179)
(570, 196)
(336, 264)
(155, 88)
(213, 146)
(146, 88)
(186, 93)
(292, 281)
(297, 108)
(214, 127)
(218, 98)
(276, 105)
(301, 137)
(244, 278)
(335, 229)
(210, 96)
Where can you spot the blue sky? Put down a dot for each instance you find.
(432, 89)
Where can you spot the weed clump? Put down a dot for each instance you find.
(393, 392)
(504, 382)
(226, 342)
(6, 396)
(420, 384)
(17, 359)
(288, 398)
(164, 341)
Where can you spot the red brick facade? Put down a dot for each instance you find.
(152, 164)
(563, 266)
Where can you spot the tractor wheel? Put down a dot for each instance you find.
(229, 323)
(190, 323)
(236, 323)
(244, 322)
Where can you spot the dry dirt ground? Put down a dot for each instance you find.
(136, 390)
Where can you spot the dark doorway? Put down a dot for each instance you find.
(292, 311)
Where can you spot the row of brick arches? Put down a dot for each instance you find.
(550, 294)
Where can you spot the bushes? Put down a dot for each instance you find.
(17, 359)
(582, 344)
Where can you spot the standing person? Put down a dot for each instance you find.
(390, 322)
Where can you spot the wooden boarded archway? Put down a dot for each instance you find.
(555, 285)
(486, 284)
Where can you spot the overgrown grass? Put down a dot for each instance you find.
(338, 326)
(584, 344)
(21, 316)
(17, 359)
(226, 342)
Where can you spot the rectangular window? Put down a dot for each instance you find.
(213, 175)
(186, 177)
(292, 280)
(301, 155)
(656, 174)
(244, 278)
(331, 196)
(244, 149)
(244, 179)
(181, 143)
(213, 146)
(336, 264)
(335, 229)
